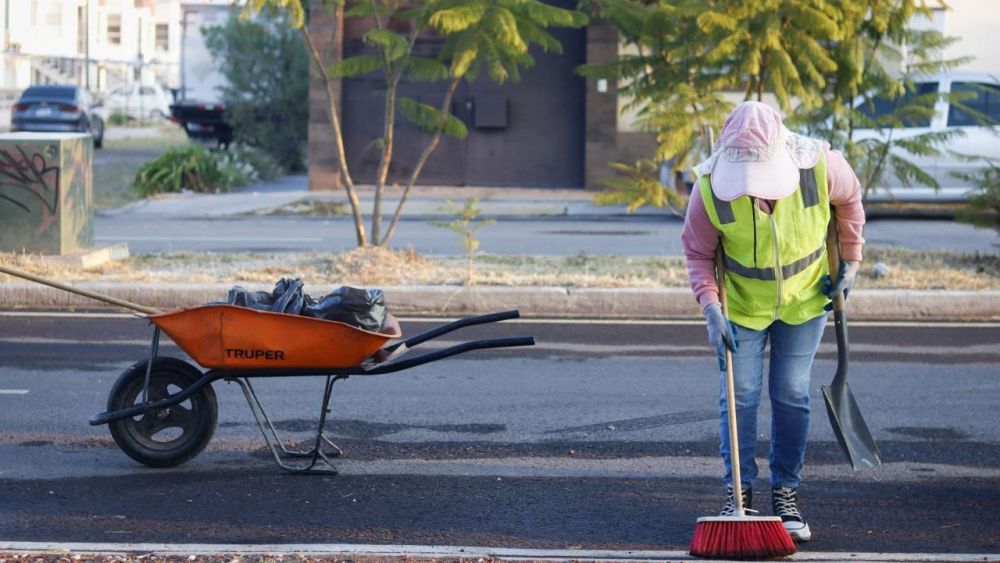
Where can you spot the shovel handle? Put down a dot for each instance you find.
(833, 257)
(839, 306)
(105, 298)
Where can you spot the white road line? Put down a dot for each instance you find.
(539, 320)
(448, 551)
(13, 391)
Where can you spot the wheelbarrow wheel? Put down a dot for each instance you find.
(163, 437)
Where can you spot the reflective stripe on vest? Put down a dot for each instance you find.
(787, 270)
(775, 262)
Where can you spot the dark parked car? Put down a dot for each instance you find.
(53, 108)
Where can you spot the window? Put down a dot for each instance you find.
(147, 91)
(115, 29)
(53, 18)
(162, 37)
(913, 108)
(53, 92)
(976, 96)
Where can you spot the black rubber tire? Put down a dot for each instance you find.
(135, 435)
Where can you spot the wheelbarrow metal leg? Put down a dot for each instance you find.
(154, 349)
(314, 454)
(337, 452)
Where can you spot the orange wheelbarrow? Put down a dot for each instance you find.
(162, 411)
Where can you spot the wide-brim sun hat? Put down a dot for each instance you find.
(757, 156)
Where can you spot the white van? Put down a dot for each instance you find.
(979, 140)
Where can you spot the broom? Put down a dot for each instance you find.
(740, 536)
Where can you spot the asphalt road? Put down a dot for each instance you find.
(602, 436)
(632, 236)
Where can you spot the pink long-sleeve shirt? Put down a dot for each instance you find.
(701, 238)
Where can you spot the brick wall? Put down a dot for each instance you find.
(604, 143)
(323, 174)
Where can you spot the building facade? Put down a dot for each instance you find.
(552, 129)
(100, 44)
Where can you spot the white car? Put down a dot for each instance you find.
(979, 140)
(146, 101)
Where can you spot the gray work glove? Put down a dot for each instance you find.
(721, 333)
(845, 280)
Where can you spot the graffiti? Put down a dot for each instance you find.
(31, 176)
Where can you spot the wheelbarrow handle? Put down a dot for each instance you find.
(455, 325)
(168, 401)
(452, 351)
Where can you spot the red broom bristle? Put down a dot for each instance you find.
(741, 538)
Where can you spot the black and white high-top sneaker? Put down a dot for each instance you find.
(784, 502)
(730, 508)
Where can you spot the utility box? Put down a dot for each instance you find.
(46, 192)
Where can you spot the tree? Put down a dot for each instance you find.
(266, 70)
(984, 203)
(492, 36)
(817, 57)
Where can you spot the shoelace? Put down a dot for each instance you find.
(730, 508)
(784, 503)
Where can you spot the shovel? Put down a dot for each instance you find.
(845, 415)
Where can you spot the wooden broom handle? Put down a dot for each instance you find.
(734, 438)
(105, 298)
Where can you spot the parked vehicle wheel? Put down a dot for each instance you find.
(163, 437)
(156, 115)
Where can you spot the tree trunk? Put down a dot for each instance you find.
(331, 98)
(431, 145)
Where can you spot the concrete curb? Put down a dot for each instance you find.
(531, 301)
(403, 552)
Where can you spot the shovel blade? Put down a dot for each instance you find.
(850, 427)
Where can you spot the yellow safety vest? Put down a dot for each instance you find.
(774, 263)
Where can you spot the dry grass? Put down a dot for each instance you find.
(381, 267)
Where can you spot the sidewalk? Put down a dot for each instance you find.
(424, 202)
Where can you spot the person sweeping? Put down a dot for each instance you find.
(763, 201)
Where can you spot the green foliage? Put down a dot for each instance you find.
(427, 118)
(266, 95)
(258, 165)
(117, 119)
(984, 205)
(637, 185)
(815, 56)
(477, 36)
(191, 167)
(354, 66)
(465, 225)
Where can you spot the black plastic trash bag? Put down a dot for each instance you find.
(363, 308)
(287, 297)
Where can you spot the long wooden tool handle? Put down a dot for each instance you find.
(734, 437)
(833, 257)
(107, 299)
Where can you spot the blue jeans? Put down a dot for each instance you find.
(792, 350)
